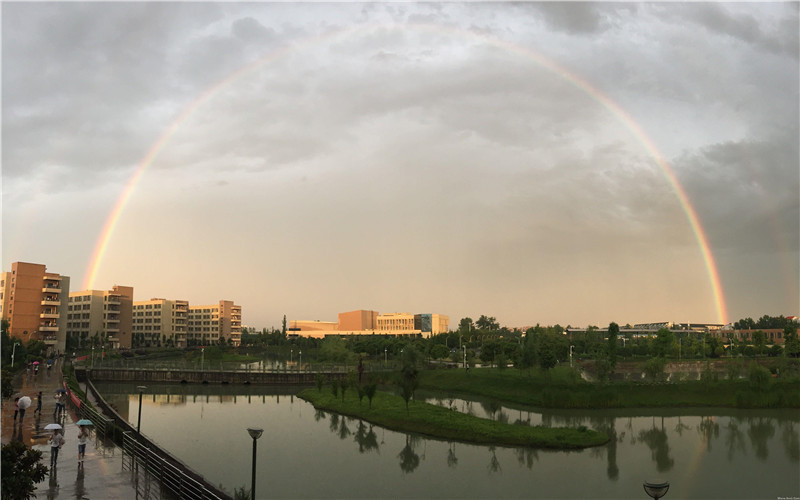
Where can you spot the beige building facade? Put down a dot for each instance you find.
(366, 322)
(35, 302)
(208, 324)
(160, 322)
(105, 313)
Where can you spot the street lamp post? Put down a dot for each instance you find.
(141, 389)
(291, 356)
(13, 352)
(571, 347)
(385, 357)
(202, 357)
(465, 356)
(300, 363)
(255, 434)
(92, 356)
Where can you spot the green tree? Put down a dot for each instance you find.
(758, 375)
(487, 323)
(21, 471)
(369, 391)
(664, 343)
(791, 341)
(439, 352)
(759, 341)
(546, 351)
(654, 368)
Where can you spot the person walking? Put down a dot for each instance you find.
(83, 437)
(56, 442)
(38, 404)
(59, 397)
(16, 408)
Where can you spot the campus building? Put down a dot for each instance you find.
(34, 302)
(366, 322)
(160, 322)
(208, 324)
(108, 314)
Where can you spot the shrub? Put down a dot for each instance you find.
(758, 375)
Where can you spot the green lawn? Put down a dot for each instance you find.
(561, 390)
(439, 422)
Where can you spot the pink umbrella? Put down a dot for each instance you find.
(35, 362)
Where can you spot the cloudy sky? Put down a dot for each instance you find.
(513, 160)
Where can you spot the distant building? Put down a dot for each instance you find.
(34, 302)
(367, 322)
(106, 313)
(208, 324)
(358, 320)
(160, 322)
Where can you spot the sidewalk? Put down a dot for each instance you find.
(101, 476)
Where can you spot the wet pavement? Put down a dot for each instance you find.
(102, 474)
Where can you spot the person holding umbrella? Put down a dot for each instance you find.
(23, 403)
(59, 397)
(56, 442)
(83, 436)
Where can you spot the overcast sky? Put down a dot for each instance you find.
(440, 157)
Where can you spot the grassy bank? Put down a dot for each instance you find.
(563, 390)
(390, 411)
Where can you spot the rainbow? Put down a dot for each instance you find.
(580, 83)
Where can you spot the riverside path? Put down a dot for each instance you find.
(102, 475)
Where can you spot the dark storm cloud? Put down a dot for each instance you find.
(774, 35)
(746, 192)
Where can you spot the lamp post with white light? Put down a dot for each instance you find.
(255, 434)
(300, 363)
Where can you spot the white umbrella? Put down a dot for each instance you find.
(24, 402)
(52, 427)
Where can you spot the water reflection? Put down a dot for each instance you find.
(656, 439)
(409, 460)
(717, 441)
(366, 438)
(759, 432)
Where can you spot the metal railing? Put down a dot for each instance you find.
(171, 480)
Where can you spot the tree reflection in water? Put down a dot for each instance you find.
(526, 456)
(761, 430)
(734, 439)
(452, 461)
(344, 431)
(791, 440)
(494, 463)
(656, 439)
(409, 460)
(367, 439)
(708, 428)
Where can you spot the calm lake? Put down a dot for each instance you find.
(304, 453)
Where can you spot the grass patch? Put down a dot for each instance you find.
(559, 390)
(432, 420)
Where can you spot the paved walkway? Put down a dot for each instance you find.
(100, 477)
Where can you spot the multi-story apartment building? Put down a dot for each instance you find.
(208, 324)
(108, 314)
(160, 322)
(34, 302)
